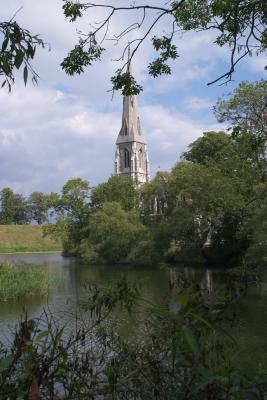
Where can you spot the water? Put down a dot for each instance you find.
(71, 280)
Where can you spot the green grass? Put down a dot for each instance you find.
(20, 280)
(25, 238)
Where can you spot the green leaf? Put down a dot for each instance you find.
(5, 43)
(42, 335)
(6, 66)
(201, 319)
(190, 339)
(5, 363)
(162, 311)
(25, 75)
(19, 59)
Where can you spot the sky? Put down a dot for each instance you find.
(66, 127)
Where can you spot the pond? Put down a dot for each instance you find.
(71, 280)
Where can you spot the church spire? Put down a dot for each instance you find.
(131, 154)
(130, 127)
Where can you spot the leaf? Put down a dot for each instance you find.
(25, 75)
(190, 339)
(162, 311)
(5, 363)
(5, 43)
(201, 319)
(6, 67)
(19, 59)
(183, 299)
(42, 335)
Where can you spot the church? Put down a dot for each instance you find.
(131, 157)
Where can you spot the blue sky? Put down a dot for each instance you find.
(67, 126)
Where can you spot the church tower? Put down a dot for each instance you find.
(131, 157)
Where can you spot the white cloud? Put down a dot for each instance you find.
(67, 126)
(44, 142)
(168, 133)
(195, 103)
(47, 137)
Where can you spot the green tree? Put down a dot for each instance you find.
(7, 206)
(113, 235)
(38, 207)
(240, 26)
(256, 254)
(17, 50)
(246, 112)
(21, 211)
(118, 189)
(209, 211)
(14, 208)
(71, 210)
(212, 146)
(74, 199)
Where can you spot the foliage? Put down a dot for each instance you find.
(246, 111)
(38, 207)
(71, 209)
(256, 254)
(240, 26)
(74, 197)
(13, 208)
(180, 354)
(18, 280)
(117, 189)
(112, 235)
(212, 146)
(18, 47)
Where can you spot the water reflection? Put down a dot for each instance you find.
(71, 280)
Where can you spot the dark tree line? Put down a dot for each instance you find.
(17, 209)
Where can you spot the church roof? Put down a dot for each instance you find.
(131, 127)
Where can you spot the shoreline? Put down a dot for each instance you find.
(31, 252)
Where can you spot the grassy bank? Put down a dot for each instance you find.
(19, 280)
(25, 238)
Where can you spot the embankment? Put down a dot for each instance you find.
(25, 238)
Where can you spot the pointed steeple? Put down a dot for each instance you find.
(131, 157)
(130, 127)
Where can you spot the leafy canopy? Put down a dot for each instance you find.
(239, 25)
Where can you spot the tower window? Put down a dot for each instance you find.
(125, 128)
(126, 158)
(140, 158)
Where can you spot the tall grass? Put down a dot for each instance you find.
(19, 280)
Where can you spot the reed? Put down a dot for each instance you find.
(20, 280)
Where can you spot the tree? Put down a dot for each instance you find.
(239, 24)
(21, 211)
(38, 207)
(74, 198)
(112, 236)
(246, 112)
(118, 189)
(72, 211)
(17, 50)
(7, 206)
(212, 146)
(256, 254)
(14, 208)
